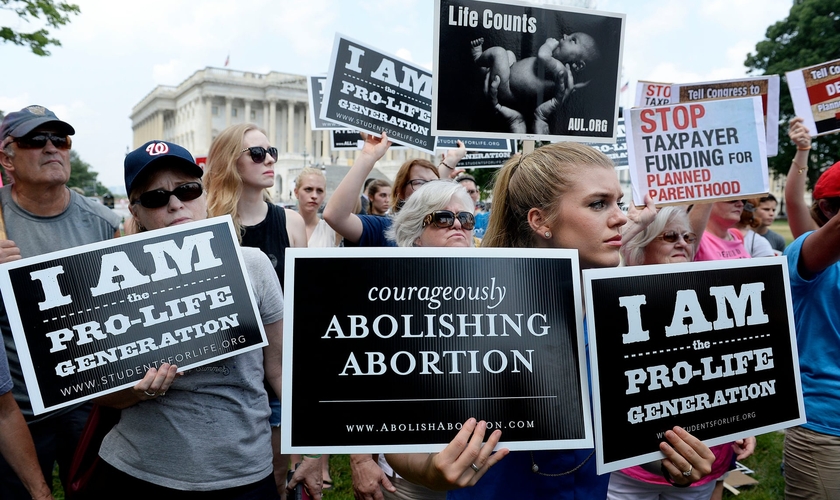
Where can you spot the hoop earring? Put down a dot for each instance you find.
(547, 234)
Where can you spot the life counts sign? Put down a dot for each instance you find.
(708, 346)
(420, 340)
(92, 320)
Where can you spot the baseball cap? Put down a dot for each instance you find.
(157, 152)
(20, 123)
(828, 185)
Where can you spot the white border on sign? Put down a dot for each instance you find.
(802, 105)
(408, 253)
(17, 326)
(328, 89)
(772, 123)
(590, 275)
(313, 120)
(509, 135)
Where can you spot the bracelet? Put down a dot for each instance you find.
(800, 167)
(315, 456)
(445, 165)
(803, 149)
(667, 476)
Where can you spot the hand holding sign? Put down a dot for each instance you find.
(461, 464)
(684, 452)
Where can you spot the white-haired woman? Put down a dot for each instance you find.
(439, 214)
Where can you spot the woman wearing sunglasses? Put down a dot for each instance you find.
(218, 412)
(369, 231)
(670, 239)
(439, 214)
(563, 195)
(240, 169)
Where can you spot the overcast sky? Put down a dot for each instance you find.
(116, 52)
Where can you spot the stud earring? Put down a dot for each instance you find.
(547, 234)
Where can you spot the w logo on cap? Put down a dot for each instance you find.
(157, 148)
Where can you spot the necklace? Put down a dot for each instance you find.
(536, 468)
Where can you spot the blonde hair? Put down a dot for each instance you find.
(309, 171)
(536, 180)
(222, 179)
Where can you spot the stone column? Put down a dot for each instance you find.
(228, 109)
(290, 132)
(272, 121)
(247, 111)
(309, 145)
(208, 123)
(325, 145)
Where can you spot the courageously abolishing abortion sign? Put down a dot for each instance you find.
(708, 346)
(684, 153)
(815, 92)
(374, 92)
(425, 338)
(92, 320)
(553, 71)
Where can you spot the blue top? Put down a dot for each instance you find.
(817, 317)
(373, 231)
(513, 478)
(481, 220)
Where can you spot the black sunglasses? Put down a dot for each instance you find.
(160, 197)
(40, 140)
(446, 218)
(258, 153)
(673, 236)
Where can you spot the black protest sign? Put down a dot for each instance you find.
(423, 339)
(374, 92)
(482, 159)
(557, 70)
(316, 96)
(474, 143)
(708, 346)
(347, 139)
(91, 320)
(616, 152)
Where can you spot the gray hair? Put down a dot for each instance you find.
(634, 250)
(434, 195)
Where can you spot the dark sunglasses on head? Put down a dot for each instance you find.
(160, 197)
(446, 218)
(673, 236)
(258, 153)
(38, 141)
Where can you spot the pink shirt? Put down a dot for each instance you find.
(723, 460)
(714, 248)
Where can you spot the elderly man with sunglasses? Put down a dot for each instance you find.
(42, 215)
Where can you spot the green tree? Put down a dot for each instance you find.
(53, 14)
(809, 35)
(83, 177)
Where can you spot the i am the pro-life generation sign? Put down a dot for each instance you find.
(425, 338)
(708, 346)
(374, 92)
(91, 320)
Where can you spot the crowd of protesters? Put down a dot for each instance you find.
(563, 195)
